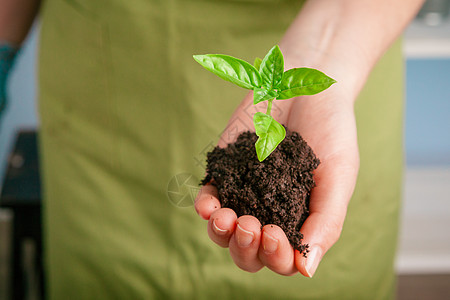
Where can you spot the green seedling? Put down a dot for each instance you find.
(269, 82)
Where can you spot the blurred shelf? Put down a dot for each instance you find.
(425, 41)
(424, 246)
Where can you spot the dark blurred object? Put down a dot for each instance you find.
(21, 193)
(434, 12)
(423, 287)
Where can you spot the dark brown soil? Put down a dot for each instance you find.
(275, 191)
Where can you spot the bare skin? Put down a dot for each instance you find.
(344, 39)
(16, 18)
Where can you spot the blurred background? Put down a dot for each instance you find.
(424, 246)
(426, 206)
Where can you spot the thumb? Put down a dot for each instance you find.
(328, 208)
(320, 232)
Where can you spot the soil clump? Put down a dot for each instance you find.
(275, 191)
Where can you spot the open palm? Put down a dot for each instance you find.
(326, 121)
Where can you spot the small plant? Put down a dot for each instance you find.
(269, 82)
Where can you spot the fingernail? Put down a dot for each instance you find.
(312, 262)
(217, 230)
(270, 244)
(244, 237)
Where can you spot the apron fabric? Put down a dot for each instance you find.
(125, 111)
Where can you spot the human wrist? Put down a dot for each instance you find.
(349, 71)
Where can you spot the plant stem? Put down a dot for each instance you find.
(269, 107)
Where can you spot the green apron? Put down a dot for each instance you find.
(125, 110)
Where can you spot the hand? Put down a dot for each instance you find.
(326, 121)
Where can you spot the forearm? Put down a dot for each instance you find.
(16, 17)
(345, 38)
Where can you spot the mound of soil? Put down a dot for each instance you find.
(275, 191)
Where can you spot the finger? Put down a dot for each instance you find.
(328, 208)
(221, 226)
(320, 233)
(244, 244)
(276, 252)
(207, 201)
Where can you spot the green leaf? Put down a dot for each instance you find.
(262, 94)
(231, 69)
(270, 133)
(257, 63)
(303, 81)
(272, 68)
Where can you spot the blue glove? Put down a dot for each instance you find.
(7, 55)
